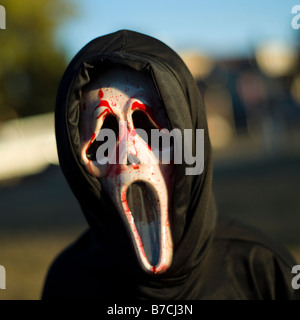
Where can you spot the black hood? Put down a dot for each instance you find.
(193, 209)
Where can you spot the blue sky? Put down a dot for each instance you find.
(216, 27)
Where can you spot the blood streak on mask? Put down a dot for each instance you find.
(101, 94)
(140, 106)
(104, 103)
(132, 224)
(107, 111)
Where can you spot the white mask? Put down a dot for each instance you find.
(125, 101)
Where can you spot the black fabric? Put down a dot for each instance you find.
(241, 264)
(212, 260)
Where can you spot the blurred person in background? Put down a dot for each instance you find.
(163, 238)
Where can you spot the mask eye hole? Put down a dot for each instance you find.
(142, 121)
(110, 122)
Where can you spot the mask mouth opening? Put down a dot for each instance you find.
(143, 204)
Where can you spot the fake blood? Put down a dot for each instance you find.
(103, 103)
(133, 226)
(140, 106)
(101, 94)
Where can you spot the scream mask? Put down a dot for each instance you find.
(118, 112)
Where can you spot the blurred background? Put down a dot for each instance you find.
(245, 59)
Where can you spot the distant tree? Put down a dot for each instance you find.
(31, 63)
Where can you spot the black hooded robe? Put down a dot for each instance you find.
(214, 258)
